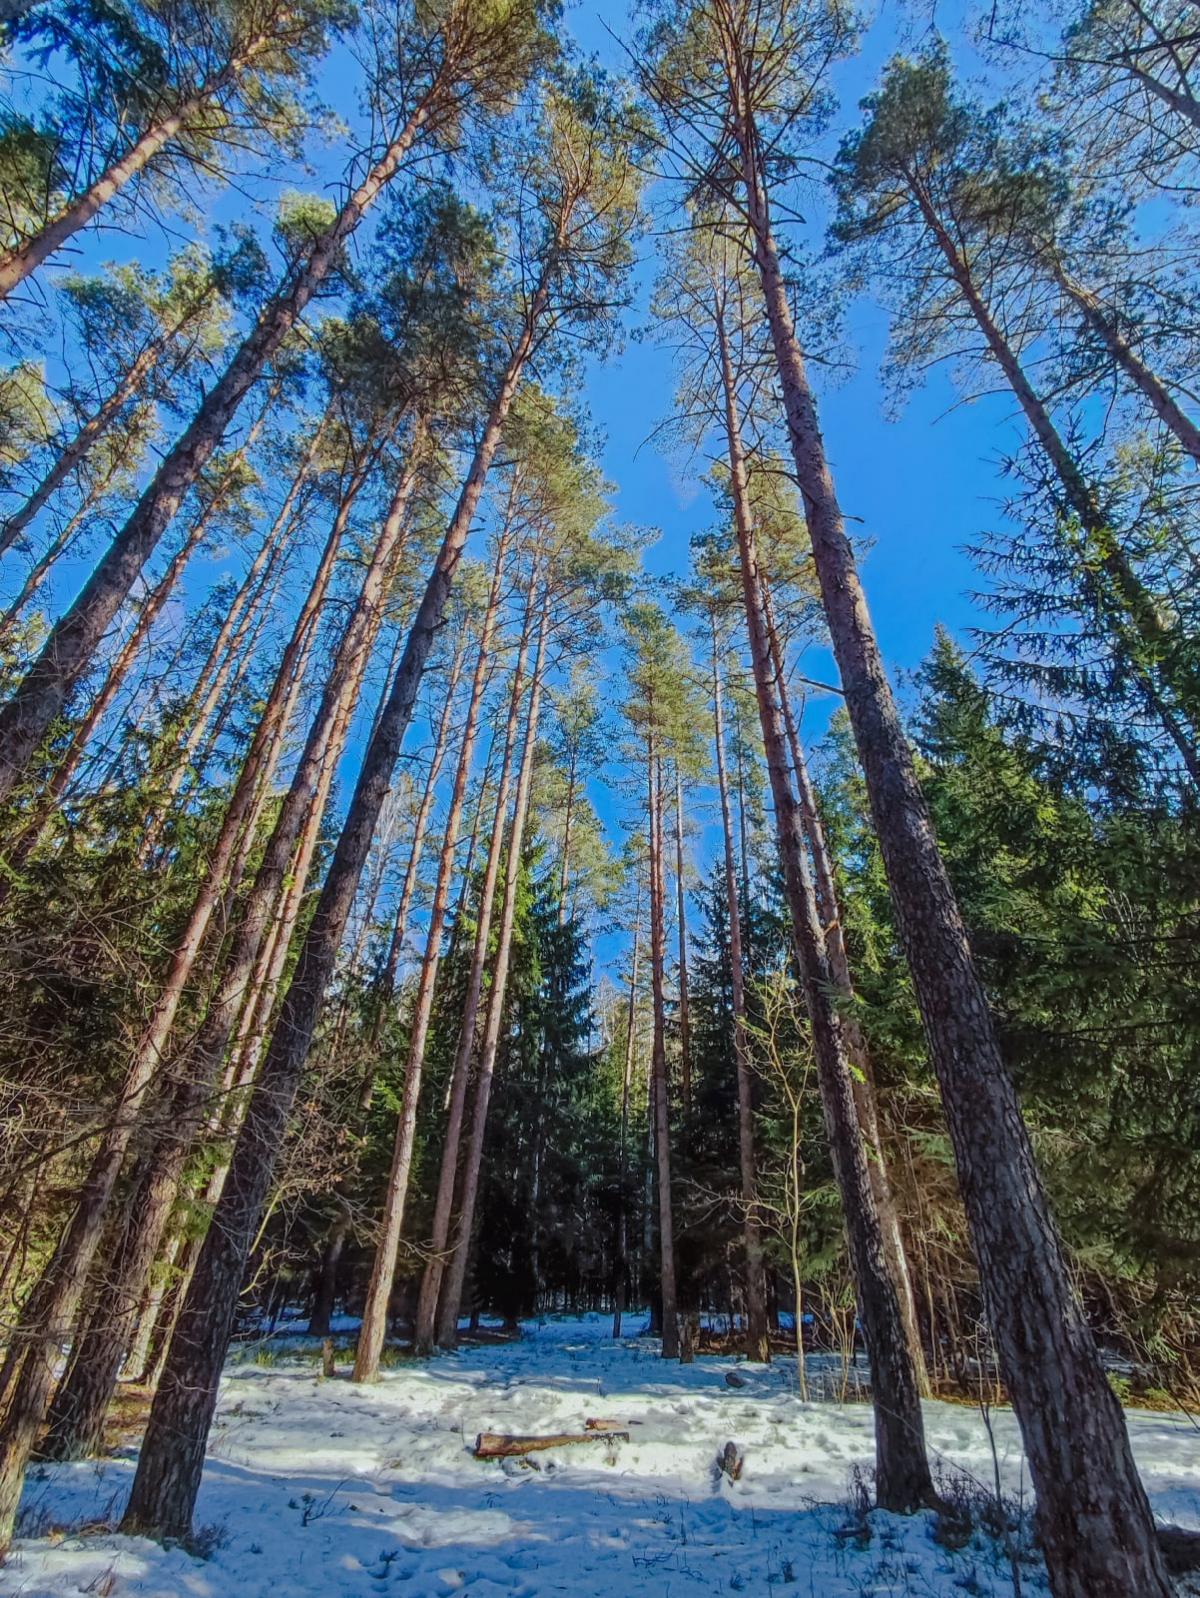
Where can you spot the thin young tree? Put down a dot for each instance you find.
(373, 1332)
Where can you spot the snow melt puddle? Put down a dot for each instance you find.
(317, 1489)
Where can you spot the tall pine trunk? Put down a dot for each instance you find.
(758, 1343)
(78, 1410)
(621, 1248)
(387, 981)
(425, 1326)
(373, 1332)
(77, 449)
(903, 1480)
(1106, 327)
(18, 264)
(1093, 1517)
(456, 1273)
(865, 1092)
(1129, 608)
(685, 1020)
(225, 650)
(27, 1377)
(172, 1457)
(660, 1096)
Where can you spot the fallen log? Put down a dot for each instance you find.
(594, 1423)
(503, 1445)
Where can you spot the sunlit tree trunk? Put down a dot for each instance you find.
(434, 1273)
(78, 1410)
(19, 263)
(1128, 606)
(660, 1098)
(621, 1250)
(903, 1480)
(1096, 1528)
(865, 1092)
(172, 1457)
(27, 1377)
(74, 452)
(456, 1271)
(685, 1023)
(38, 699)
(226, 648)
(441, 738)
(758, 1345)
(373, 1333)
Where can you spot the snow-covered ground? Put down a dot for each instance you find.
(317, 1489)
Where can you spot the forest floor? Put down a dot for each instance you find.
(319, 1488)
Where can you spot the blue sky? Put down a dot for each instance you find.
(918, 485)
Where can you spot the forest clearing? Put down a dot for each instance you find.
(316, 1486)
(599, 708)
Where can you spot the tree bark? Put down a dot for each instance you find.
(903, 1480)
(38, 699)
(18, 264)
(660, 1088)
(387, 982)
(224, 651)
(758, 1342)
(1102, 322)
(27, 1377)
(78, 1412)
(373, 1332)
(1137, 624)
(1093, 1517)
(865, 1092)
(425, 1325)
(172, 1457)
(456, 1273)
(621, 1252)
(685, 1024)
(76, 451)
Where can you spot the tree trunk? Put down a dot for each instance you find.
(387, 982)
(660, 1089)
(225, 650)
(28, 1373)
(865, 1092)
(1094, 1520)
(431, 1281)
(331, 1257)
(26, 718)
(564, 865)
(172, 1457)
(40, 568)
(18, 264)
(78, 1412)
(903, 1481)
(685, 1026)
(621, 1252)
(1102, 322)
(118, 671)
(374, 1318)
(758, 1343)
(74, 453)
(1138, 625)
(456, 1274)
